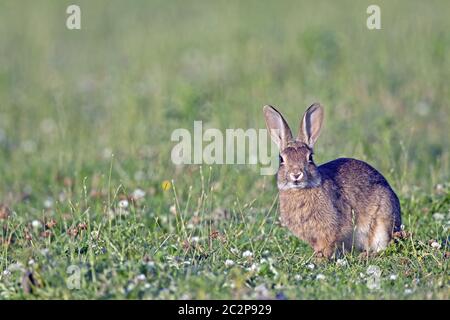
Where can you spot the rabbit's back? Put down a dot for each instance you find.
(364, 189)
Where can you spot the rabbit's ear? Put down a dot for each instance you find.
(277, 126)
(311, 125)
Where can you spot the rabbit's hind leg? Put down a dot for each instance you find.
(381, 225)
(380, 233)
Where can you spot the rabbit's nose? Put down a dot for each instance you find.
(296, 176)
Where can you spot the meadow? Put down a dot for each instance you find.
(91, 206)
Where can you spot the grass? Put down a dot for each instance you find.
(135, 72)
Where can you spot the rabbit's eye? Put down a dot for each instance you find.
(281, 159)
(310, 158)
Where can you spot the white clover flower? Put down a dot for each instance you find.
(247, 254)
(253, 267)
(408, 291)
(373, 280)
(438, 216)
(195, 239)
(311, 266)
(36, 224)
(138, 194)
(234, 251)
(393, 277)
(320, 277)
(229, 263)
(31, 262)
(341, 262)
(123, 204)
(6, 272)
(190, 226)
(173, 209)
(141, 277)
(435, 245)
(48, 203)
(373, 270)
(298, 277)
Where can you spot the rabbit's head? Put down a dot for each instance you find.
(297, 169)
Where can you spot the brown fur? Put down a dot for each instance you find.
(337, 206)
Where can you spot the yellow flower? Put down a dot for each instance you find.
(165, 185)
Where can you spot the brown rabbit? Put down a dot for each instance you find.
(337, 206)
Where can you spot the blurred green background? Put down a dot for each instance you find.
(137, 70)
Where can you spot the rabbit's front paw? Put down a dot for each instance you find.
(324, 255)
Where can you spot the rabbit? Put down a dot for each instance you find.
(336, 207)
